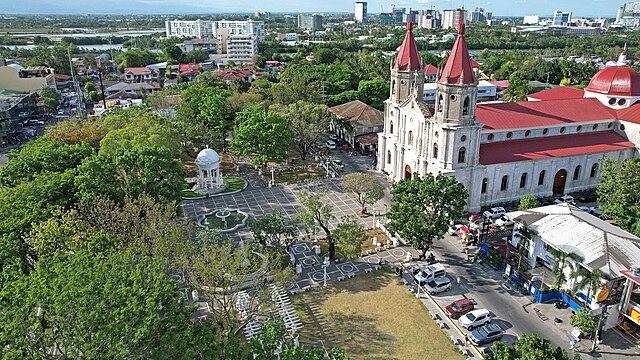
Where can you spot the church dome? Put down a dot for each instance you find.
(208, 158)
(615, 81)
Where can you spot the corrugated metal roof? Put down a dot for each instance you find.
(602, 245)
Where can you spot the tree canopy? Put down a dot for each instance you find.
(422, 208)
(366, 188)
(619, 193)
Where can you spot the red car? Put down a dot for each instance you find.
(476, 218)
(459, 307)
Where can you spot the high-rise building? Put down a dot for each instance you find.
(428, 19)
(451, 18)
(531, 20)
(310, 21)
(394, 17)
(222, 29)
(361, 11)
(413, 14)
(188, 28)
(561, 18)
(630, 15)
(478, 15)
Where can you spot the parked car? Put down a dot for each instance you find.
(486, 334)
(503, 221)
(476, 218)
(438, 285)
(584, 208)
(338, 163)
(459, 307)
(565, 199)
(453, 229)
(61, 112)
(595, 210)
(544, 202)
(494, 212)
(475, 318)
(430, 272)
(331, 144)
(35, 122)
(588, 196)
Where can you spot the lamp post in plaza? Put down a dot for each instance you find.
(325, 264)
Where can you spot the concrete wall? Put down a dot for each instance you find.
(10, 80)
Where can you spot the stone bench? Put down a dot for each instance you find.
(351, 274)
(377, 267)
(340, 278)
(306, 288)
(368, 270)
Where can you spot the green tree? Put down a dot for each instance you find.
(272, 229)
(374, 92)
(619, 193)
(110, 305)
(131, 172)
(262, 134)
(422, 208)
(562, 261)
(196, 56)
(366, 188)
(173, 53)
(316, 212)
(89, 86)
(524, 244)
(348, 237)
(527, 202)
(583, 320)
(527, 347)
(40, 156)
(202, 116)
(518, 88)
(591, 280)
(240, 101)
(308, 123)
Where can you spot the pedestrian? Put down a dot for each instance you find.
(458, 279)
(401, 270)
(466, 339)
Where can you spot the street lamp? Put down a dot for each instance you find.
(418, 292)
(325, 264)
(273, 180)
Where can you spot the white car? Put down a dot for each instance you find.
(331, 144)
(475, 318)
(453, 229)
(503, 221)
(494, 212)
(565, 199)
(430, 272)
(438, 285)
(61, 112)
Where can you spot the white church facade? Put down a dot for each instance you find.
(551, 145)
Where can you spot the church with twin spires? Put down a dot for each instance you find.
(550, 145)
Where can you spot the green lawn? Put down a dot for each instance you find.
(372, 316)
(234, 218)
(233, 184)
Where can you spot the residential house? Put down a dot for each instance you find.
(366, 121)
(141, 74)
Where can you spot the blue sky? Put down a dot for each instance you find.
(498, 7)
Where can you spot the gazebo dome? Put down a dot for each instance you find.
(208, 158)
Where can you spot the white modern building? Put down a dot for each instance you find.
(188, 28)
(501, 151)
(531, 20)
(223, 29)
(242, 49)
(486, 92)
(451, 18)
(561, 18)
(361, 11)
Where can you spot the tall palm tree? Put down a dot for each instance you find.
(560, 263)
(589, 279)
(524, 244)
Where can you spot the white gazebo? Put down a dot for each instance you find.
(209, 177)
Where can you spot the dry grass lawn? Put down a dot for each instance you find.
(372, 316)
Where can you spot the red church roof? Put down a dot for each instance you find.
(430, 70)
(458, 68)
(474, 64)
(554, 146)
(408, 58)
(616, 80)
(558, 93)
(515, 115)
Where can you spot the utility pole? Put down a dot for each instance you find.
(75, 82)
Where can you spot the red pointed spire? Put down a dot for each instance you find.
(408, 58)
(458, 69)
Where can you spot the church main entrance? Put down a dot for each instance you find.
(407, 172)
(558, 182)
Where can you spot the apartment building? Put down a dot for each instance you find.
(242, 48)
(189, 28)
(310, 21)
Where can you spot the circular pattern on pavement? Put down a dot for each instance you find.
(318, 276)
(399, 253)
(373, 259)
(309, 261)
(347, 268)
(300, 248)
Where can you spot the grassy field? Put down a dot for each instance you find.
(233, 184)
(372, 316)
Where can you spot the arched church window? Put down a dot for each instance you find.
(485, 181)
(594, 170)
(576, 172)
(465, 106)
(523, 180)
(503, 184)
(393, 87)
(410, 138)
(388, 156)
(462, 154)
(440, 103)
(541, 178)
(391, 127)
(435, 150)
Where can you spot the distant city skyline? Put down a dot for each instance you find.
(590, 8)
